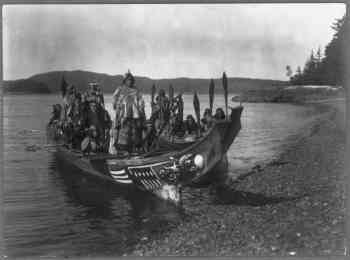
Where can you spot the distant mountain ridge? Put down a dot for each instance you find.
(50, 82)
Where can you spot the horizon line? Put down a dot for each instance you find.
(141, 76)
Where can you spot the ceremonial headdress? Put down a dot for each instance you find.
(127, 76)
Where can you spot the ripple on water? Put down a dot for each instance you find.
(46, 215)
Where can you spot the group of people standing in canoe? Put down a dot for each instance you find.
(84, 123)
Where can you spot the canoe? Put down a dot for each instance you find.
(163, 172)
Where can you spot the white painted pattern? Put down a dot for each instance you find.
(153, 172)
(144, 184)
(123, 181)
(152, 184)
(146, 175)
(120, 176)
(117, 172)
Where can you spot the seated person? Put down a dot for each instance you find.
(176, 126)
(207, 120)
(76, 117)
(149, 137)
(219, 114)
(78, 134)
(56, 122)
(93, 116)
(191, 128)
(68, 131)
(90, 144)
(179, 128)
(138, 129)
(56, 114)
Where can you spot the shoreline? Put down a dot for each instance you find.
(323, 111)
(294, 205)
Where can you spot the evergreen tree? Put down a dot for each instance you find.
(330, 68)
(298, 71)
(334, 54)
(319, 56)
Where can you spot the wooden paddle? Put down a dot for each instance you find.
(64, 86)
(171, 95)
(181, 106)
(211, 95)
(224, 84)
(152, 96)
(197, 109)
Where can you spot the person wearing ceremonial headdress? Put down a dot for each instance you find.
(207, 121)
(97, 116)
(69, 97)
(76, 118)
(94, 113)
(95, 94)
(162, 107)
(69, 94)
(175, 121)
(129, 109)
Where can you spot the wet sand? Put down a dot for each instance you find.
(292, 206)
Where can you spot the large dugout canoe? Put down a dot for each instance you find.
(161, 172)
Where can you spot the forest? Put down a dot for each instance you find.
(327, 67)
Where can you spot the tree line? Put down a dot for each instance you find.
(326, 68)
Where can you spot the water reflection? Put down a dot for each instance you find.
(109, 212)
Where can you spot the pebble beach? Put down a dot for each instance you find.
(292, 206)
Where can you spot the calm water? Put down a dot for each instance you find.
(49, 213)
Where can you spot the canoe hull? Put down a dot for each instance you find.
(162, 173)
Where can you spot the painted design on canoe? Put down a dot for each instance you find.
(154, 176)
(120, 176)
(146, 176)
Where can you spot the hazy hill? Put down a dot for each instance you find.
(25, 86)
(51, 81)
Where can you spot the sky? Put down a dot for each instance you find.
(165, 41)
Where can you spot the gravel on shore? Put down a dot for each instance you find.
(292, 206)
